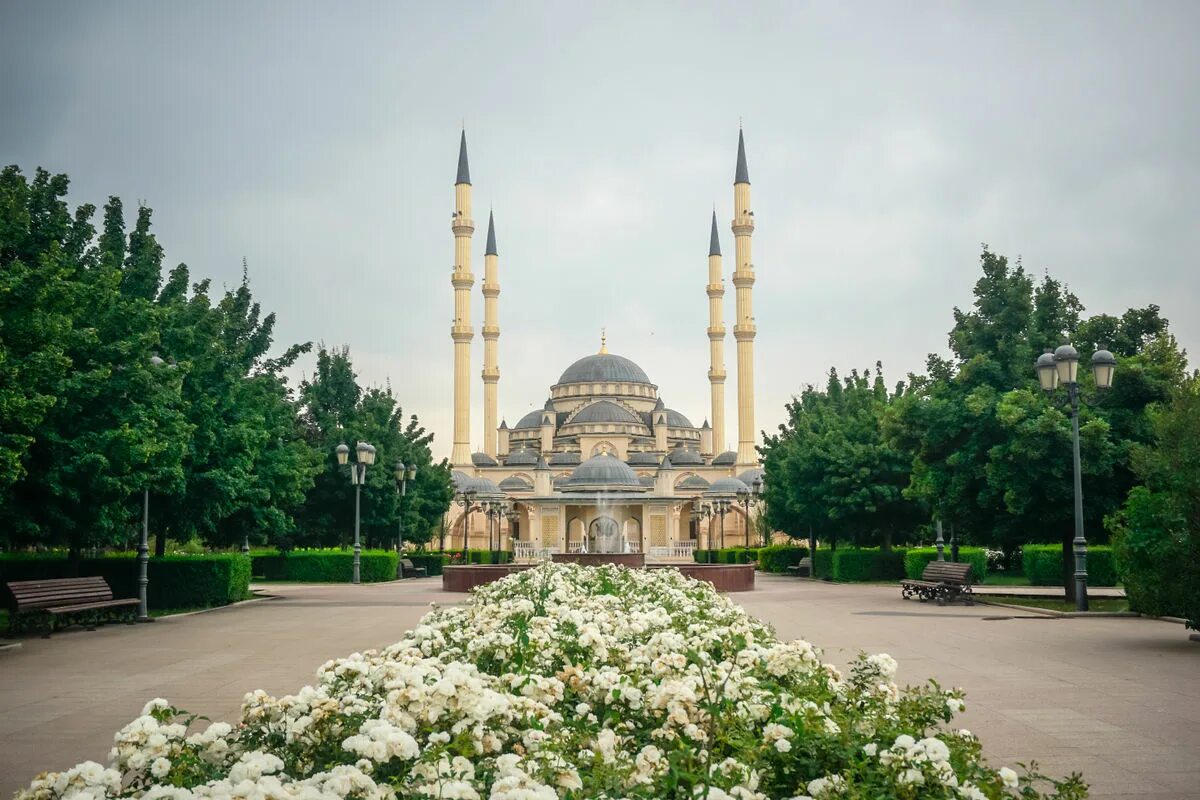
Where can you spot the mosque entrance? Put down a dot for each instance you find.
(604, 536)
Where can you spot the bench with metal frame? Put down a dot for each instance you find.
(50, 604)
(942, 581)
(410, 570)
(804, 568)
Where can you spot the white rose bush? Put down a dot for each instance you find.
(570, 682)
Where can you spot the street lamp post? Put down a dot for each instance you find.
(404, 474)
(467, 499)
(721, 507)
(939, 542)
(747, 497)
(1062, 367)
(364, 457)
(144, 560)
(701, 512)
(512, 515)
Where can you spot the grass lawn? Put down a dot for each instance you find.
(1054, 604)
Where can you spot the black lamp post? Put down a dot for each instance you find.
(700, 513)
(721, 507)
(749, 496)
(364, 457)
(1062, 367)
(404, 474)
(143, 614)
(512, 515)
(466, 498)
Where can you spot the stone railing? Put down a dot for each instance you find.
(682, 551)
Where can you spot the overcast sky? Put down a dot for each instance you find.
(886, 141)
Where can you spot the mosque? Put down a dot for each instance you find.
(605, 465)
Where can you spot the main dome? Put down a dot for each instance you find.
(602, 368)
(600, 473)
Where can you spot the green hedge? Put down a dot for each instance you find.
(867, 564)
(823, 563)
(175, 581)
(778, 557)
(1043, 565)
(455, 556)
(729, 555)
(337, 566)
(917, 557)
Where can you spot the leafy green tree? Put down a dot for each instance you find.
(831, 468)
(336, 410)
(115, 425)
(1157, 531)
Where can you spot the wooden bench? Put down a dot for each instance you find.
(941, 581)
(410, 570)
(86, 601)
(803, 568)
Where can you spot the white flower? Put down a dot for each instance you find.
(870, 748)
(1009, 777)
(783, 745)
(160, 767)
(954, 705)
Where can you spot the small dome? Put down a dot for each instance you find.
(749, 476)
(514, 483)
(604, 411)
(483, 460)
(642, 459)
(531, 420)
(727, 486)
(466, 483)
(602, 472)
(647, 480)
(521, 458)
(603, 367)
(561, 481)
(726, 459)
(690, 483)
(567, 459)
(677, 420)
(685, 457)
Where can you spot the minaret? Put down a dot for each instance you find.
(491, 335)
(743, 329)
(461, 331)
(716, 338)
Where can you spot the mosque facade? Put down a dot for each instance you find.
(605, 465)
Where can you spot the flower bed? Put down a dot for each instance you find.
(569, 682)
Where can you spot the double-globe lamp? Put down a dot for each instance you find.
(1061, 367)
(404, 473)
(364, 457)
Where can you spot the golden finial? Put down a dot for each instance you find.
(603, 341)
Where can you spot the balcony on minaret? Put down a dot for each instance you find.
(716, 290)
(717, 375)
(743, 223)
(744, 277)
(491, 289)
(490, 331)
(491, 375)
(716, 332)
(744, 332)
(462, 333)
(462, 226)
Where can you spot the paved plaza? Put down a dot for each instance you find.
(1115, 698)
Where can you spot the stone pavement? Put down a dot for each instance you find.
(1114, 698)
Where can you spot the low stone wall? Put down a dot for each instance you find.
(467, 577)
(723, 577)
(631, 560)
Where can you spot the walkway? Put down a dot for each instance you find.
(1115, 698)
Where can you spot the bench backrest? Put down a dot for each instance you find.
(28, 595)
(947, 572)
(407, 563)
(805, 562)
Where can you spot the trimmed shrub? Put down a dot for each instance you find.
(175, 581)
(475, 556)
(867, 564)
(777, 558)
(337, 566)
(1043, 565)
(917, 557)
(823, 563)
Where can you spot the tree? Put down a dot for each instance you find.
(336, 410)
(1157, 531)
(831, 468)
(102, 421)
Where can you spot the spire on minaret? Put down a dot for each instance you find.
(464, 172)
(741, 176)
(491, 240)
(603, 341)
(714, 242)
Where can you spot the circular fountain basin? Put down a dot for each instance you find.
(723, 577)
(631, 560)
